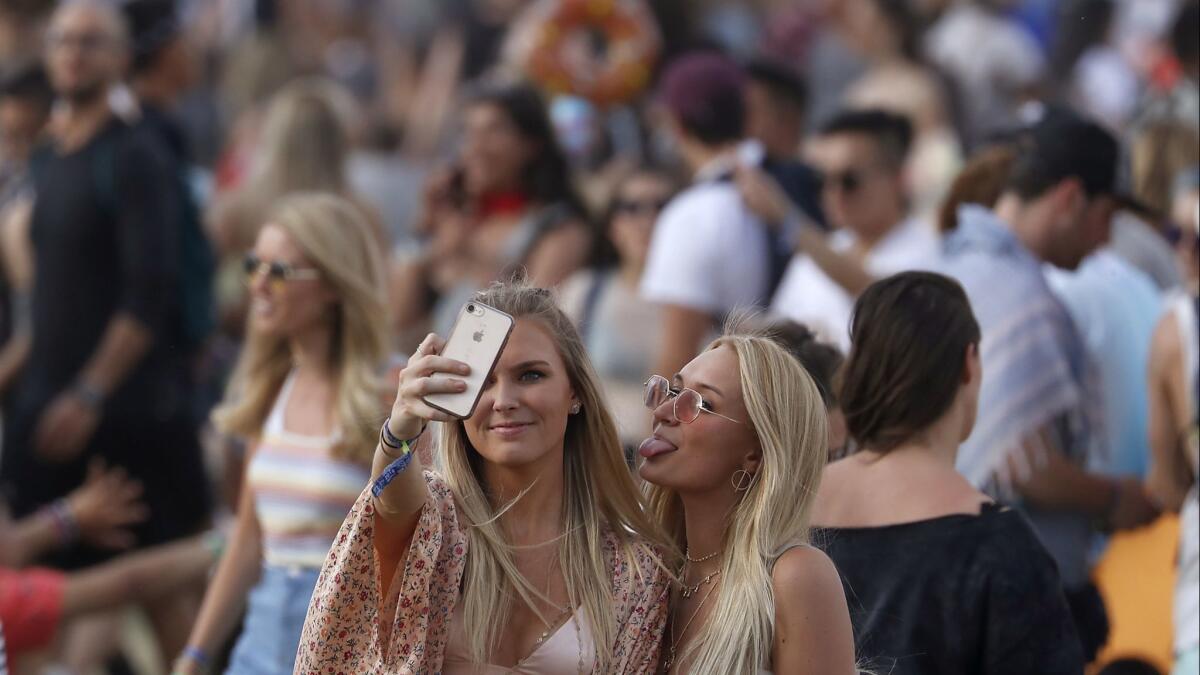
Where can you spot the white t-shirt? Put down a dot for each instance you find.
(708, 252)
(808, 296)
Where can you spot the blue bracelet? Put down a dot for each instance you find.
(196, 654)
(389, 440)
(394, 469)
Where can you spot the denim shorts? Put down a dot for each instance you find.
(274, 619)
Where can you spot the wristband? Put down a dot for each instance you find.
(394, 469)
(64, 521)
(193, 654)
(389, 440)
(91, 396)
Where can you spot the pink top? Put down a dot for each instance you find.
(343, 632)
(568, 650)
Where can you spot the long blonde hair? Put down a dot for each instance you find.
(337, 241)
(788, 419)
(303, 147)
(305, 138)
(599, 495)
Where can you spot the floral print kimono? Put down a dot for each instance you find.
(343, 634)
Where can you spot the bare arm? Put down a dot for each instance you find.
(1169, 476)
(101, 510)
(1058, 484)
(139, 577)
(812, 623)
(398, 506)
(559, 254)
(236, 574)
(766, 199)
(17, 254)
(125, 341)
(683, 330)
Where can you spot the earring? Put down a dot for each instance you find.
(742, 482)
(575, 408)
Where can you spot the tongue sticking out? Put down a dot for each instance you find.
(652, 447)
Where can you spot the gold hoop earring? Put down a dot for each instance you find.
(742, 482)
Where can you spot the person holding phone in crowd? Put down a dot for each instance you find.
(734, 464)
(530, 549)
(507, 203)
(307, 394)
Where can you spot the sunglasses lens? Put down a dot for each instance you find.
(687, 406)
(250, 265)
(656, 392)
(277, 272)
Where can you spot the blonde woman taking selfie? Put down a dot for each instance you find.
(530, 552)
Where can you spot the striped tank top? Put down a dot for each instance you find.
(301, 493)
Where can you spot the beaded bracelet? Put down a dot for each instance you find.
(194, 655)
(64, 521)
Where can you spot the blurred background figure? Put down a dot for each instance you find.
(662, 166)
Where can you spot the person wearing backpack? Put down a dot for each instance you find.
(105, 377)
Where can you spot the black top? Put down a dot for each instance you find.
(956, 595)
(105, 239)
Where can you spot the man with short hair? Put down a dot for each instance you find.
(776, 102)
(709, 255)
(102, 381)
(861, 156)
(1038, 429)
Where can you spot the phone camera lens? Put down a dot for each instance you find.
(471, 309)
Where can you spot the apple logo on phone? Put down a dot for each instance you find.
(478, 336)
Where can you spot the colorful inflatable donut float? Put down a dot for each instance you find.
(558, 58)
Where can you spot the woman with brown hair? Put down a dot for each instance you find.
(961, 572)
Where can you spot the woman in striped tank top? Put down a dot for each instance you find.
(307, 395)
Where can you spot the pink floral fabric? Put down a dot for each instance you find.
(343, 634)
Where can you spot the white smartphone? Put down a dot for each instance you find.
(477, 338)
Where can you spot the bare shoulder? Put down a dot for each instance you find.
(834, 479)
(805, 576)
(813, 633)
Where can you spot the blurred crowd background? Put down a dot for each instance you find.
(481, 137)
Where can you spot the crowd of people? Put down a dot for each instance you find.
(850, 336)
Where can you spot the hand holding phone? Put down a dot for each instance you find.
(410, 412)
(477, 339)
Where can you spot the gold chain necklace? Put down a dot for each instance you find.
(675, 640)
(688, 554)
(689, 591)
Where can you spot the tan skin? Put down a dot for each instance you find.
(1173, 454)
(812, 624)
(630, 233)
(518, 428)
(298, 311)
(912, 482)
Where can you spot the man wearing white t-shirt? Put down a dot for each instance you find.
(860, 154)
(709, 255)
